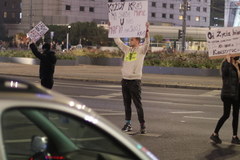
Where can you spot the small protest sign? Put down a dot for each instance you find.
(127, 19)
(37, 32)
(223, 41)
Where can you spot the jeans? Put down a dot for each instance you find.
(227, 103)
(131, 91)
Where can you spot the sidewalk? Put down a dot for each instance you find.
(112, 74)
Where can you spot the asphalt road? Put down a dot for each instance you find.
(179, 121)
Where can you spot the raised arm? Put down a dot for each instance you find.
(35, 51)
(147, 39)
(120, 44)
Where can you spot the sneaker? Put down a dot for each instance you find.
(235, 140)
(142, 129)
(216, 139)
(127, 127)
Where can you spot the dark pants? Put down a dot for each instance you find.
(131, 90)
(48, 83)
(227, 103)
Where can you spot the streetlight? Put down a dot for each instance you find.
(69, 27)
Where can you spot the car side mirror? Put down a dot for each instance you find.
(39, 144)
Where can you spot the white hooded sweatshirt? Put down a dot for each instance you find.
(133, 59)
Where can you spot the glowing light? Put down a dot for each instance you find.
(139, 146)
(71, 104)
(13, 84)
(91, 119)
(79, 106)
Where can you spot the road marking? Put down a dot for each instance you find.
(17, 141)
(187, 112)
(212, 93)
(108, 96)
(112, 114)
(146, 134)
(204, 118)
(150, 101)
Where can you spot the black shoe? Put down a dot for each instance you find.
(216, 139)
(127, 127)
(235, 140)
(142, 129)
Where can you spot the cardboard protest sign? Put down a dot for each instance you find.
(223, 41)
(127, 19)
(37, 32)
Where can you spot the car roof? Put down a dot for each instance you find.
(12, 89)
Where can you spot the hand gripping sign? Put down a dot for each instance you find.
(37, 32)
(127, 19)
(223, 41)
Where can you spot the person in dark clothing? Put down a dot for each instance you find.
(230, 97)
(47, 64)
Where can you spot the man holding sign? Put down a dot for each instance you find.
(47, 64)
(47, 58)
(132, 73)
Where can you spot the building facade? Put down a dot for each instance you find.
(10, 11)
(161, 12)
(63, 12)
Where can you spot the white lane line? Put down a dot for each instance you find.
(187, 112)
(203, 118)
(108, 96)
(212, 93)
(151, 101)
(18, 141)
(113, 114)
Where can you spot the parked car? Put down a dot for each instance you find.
(39, 124)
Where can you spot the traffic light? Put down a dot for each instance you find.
(180, 33)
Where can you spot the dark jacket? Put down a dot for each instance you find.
(230, 87)
(47, 62)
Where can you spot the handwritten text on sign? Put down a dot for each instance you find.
(223, 41)
(127, 19)
(37, 32)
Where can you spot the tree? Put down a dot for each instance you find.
(158, 38)
(87, 33)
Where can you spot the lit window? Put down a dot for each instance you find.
(4, 14)
(197, 18)
(180, 17)
(205, 19)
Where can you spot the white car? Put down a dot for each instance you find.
(39, 124)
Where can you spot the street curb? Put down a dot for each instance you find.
(119, 82)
